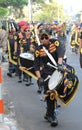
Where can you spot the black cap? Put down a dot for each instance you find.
(44, 31)
(40, 24)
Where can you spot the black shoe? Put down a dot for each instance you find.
(29, 83)
(52, 120)
(9, 74)
(46, 117)
(20, 80)
(39, 91)
(58, 105)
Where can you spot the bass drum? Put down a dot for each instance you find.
(26, 59)
(64, 86)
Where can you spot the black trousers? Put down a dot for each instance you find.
(51, 104)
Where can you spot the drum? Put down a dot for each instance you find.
(55, 80)
(26, 59)
(64, 86)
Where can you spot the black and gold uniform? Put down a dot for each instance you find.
(17, 49)
(80, 47)
(42, 70)
(12, 66)
(25, 48)
(75, 39)
(25, 44)
(17, 38)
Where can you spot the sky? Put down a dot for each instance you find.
(76, 5)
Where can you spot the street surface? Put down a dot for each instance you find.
(30, 111)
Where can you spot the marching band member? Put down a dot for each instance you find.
(80, 46)
(17, 44)
(75, 38)
(63, 40)
(27, 46)
(12, 67)
(41, 60)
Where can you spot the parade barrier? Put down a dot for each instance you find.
(1, 100)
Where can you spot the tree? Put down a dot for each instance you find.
(3, 12)
(14, 5)
(50, 12)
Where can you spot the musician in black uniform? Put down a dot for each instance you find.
(12, 67)
(17, 45)
(80, 46)
(27, 47)
(42, 70)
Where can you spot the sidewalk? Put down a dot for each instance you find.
(4, 126)
(8, 117)
(8, 124)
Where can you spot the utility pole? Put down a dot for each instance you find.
(30, 10)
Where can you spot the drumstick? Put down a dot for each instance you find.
(37, 39)
(50, 56)
(48, 77)
(55, 67)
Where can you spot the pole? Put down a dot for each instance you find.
(30, 10)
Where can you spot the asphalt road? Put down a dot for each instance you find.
(29, 110)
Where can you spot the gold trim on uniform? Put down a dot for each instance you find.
(56, 43)
(37, 53)
(81, 50)
(32, 40)
(52, 48)
(70, 84)
(22, 48)
(15, 37)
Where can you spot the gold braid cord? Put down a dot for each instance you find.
(52, 94)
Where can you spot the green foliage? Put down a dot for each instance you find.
(40, 11)
(14, 3)
(3, 12)
(49, 12)
(38, 1)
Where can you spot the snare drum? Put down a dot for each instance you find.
(26, 59)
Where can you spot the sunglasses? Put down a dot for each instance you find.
(27, 30)
(44, 37)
